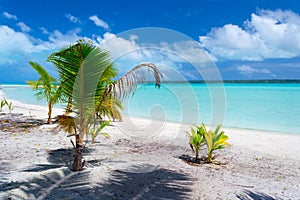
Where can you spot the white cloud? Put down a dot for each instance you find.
(57, 39)
(72, 18)
(183, 51)
(10, 16)
(169, 57)
(133, 37)
(99, 22)
(44, 30)
(15, 46)
(232, 42)
(60, 40)
(268, 34)
(10, 40)
(118, 46)
(23, 27)
(188, 51)
(249, 71)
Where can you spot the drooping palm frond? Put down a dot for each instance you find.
(126, 85)
(67, 124)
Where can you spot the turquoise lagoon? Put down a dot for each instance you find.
(270, 107)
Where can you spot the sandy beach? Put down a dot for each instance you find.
(143, 160)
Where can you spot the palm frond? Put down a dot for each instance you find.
(126, 85)
(66, 124)
(80, 68)
(110, 108)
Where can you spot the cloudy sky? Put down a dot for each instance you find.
(249, 39)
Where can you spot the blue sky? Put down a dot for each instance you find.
(249, 39)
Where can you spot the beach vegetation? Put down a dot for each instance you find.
(86, 79)
(214, 140)
(46, 87)
(67, 124)
(196, 139)
(107, 105)
(9, 106)
(3, 102)
(95, 129)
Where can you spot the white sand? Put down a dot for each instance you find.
(140, 161)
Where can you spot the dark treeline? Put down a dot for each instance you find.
(240, 81)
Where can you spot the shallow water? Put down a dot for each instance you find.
(271, 107)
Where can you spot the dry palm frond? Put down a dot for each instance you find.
(126, 85)
(67, 124)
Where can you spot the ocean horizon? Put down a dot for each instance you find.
(259, 106)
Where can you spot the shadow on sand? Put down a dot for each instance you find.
(249, 195)
(157, 184)
(57, 181)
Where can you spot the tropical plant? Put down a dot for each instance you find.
(106, 104)
(94, 130)
(46, 87)
(83, 70)
(214, 140)
(2, 104)
(196, 139)
(9, 106)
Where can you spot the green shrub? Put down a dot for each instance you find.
(2, 104)
(196, 139)
(213, 139)
(96, 130)
(10, 106)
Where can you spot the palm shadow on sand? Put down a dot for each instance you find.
(249, 195)
(59, 158)
(157, 184)
(56, 181)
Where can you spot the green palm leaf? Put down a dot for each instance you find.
(46, 87)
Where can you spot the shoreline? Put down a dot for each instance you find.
(224, 126)
(142, 157)
(37, 109)
(290, 130)
(143, 124)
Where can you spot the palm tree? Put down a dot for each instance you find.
(106, 104)
(86, 74)
(46, 87)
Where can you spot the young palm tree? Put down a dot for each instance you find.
(85, 73)
(214, 140)
(196, 139)
(46, 87)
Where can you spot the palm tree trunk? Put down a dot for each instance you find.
(78, 164)
(49, 121)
